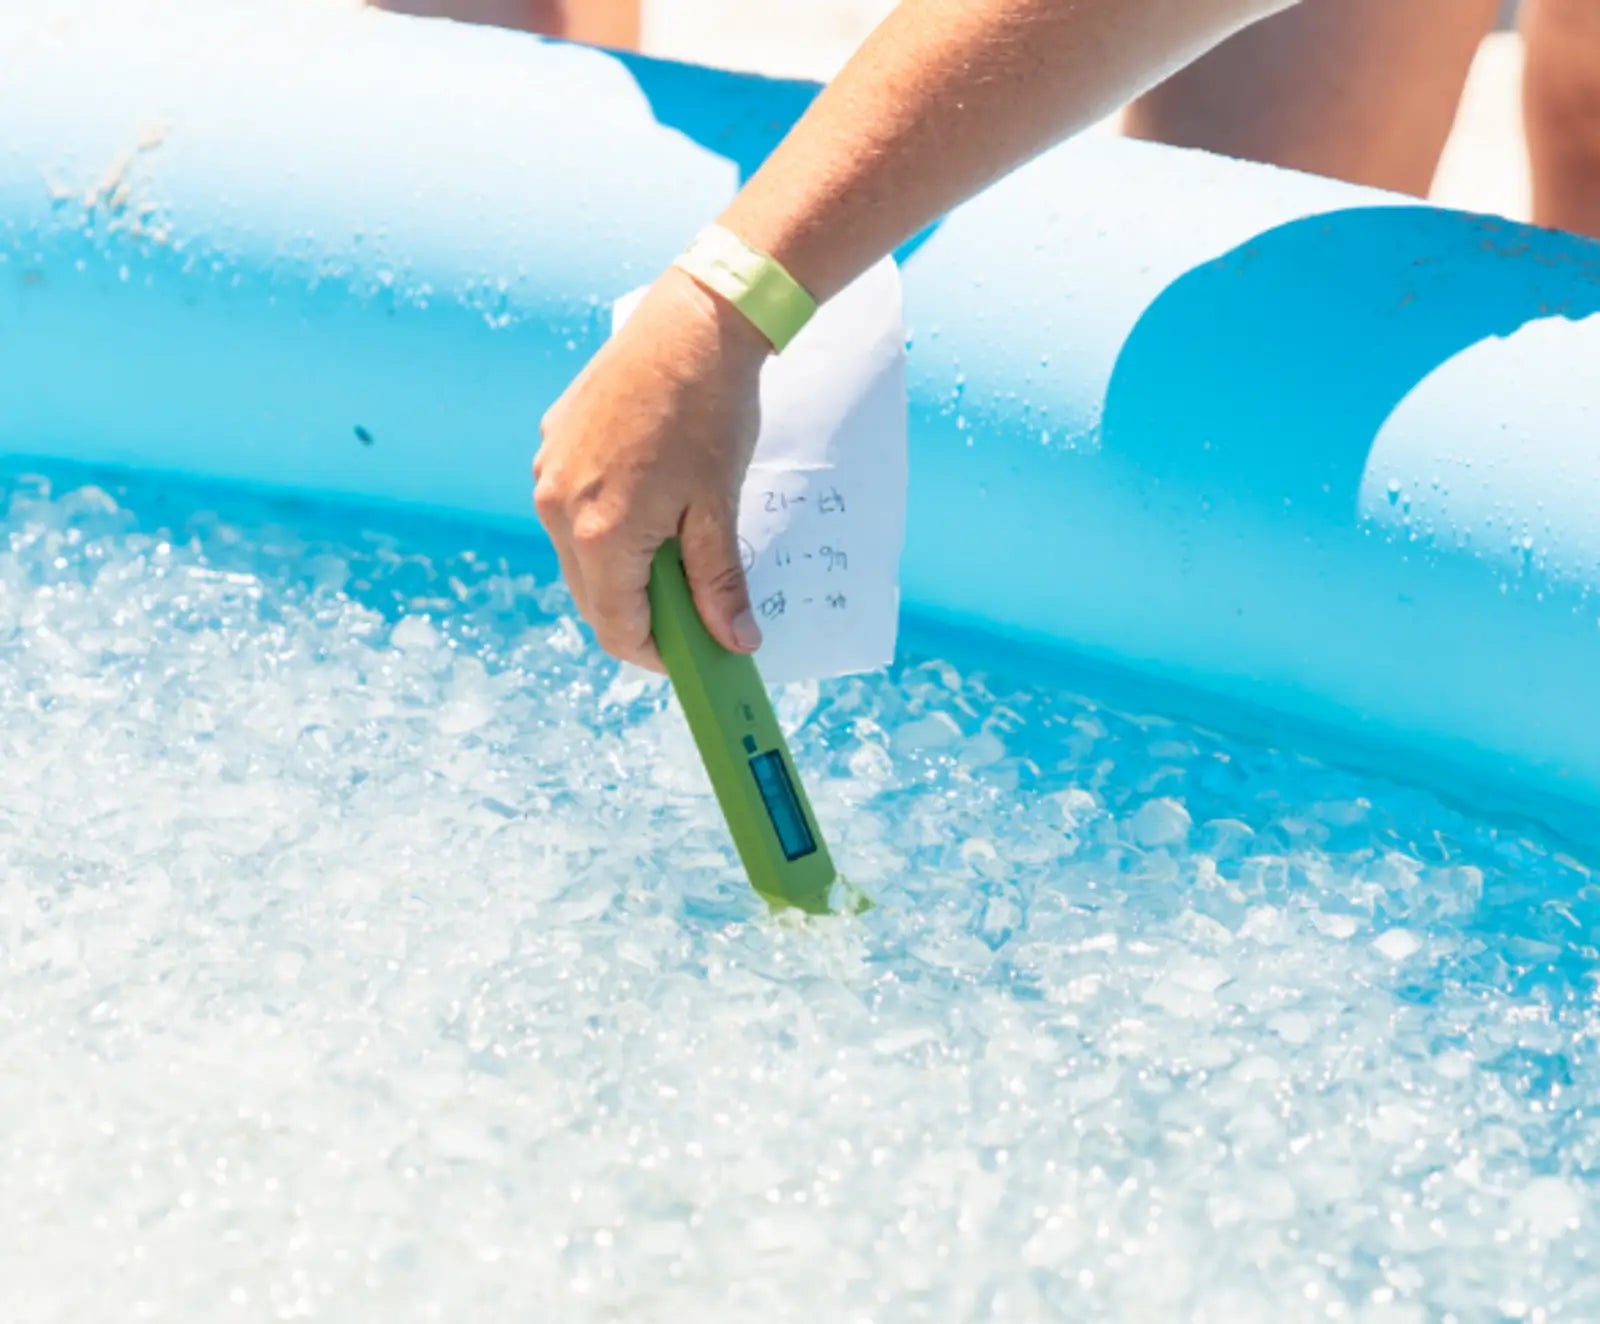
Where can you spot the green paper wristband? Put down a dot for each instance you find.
(776, 303)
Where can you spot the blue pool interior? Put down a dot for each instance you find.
(364, 927)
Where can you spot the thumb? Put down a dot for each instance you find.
(710, 544)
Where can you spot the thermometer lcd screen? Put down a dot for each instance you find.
(783, 805)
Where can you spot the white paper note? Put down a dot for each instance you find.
(822, 514)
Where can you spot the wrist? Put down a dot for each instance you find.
(737, 342)
(752, 281)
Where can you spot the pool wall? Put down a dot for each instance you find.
(1299, 449)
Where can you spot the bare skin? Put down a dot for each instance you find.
(1561, 108)
(1366, 90)
(1362, 90)
(653, 439)
(598, 22)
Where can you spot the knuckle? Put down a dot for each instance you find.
(594, 529)
(548, 499)
(727, 582)
(712, 561)
(550, 430)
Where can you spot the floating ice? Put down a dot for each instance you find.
(373, 951)
(1162, 822)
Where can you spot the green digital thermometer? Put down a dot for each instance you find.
(742, 747)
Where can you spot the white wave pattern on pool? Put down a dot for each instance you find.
(373, 951)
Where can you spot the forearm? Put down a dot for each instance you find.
(946, 97)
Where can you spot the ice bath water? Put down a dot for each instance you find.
(371, 950)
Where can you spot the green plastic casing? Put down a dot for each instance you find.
(734, 727)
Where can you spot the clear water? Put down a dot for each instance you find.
(370, 950)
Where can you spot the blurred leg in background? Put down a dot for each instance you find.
(1362, 90)
(600, 22)
(1561, 108)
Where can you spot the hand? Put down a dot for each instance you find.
(652, 442)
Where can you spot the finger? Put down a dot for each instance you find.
(552, 513)
(572, 573)
(650, 660)
(710, 541)
(615, 566)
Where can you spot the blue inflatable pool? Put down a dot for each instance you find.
(1290, 453)
(372, 948)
